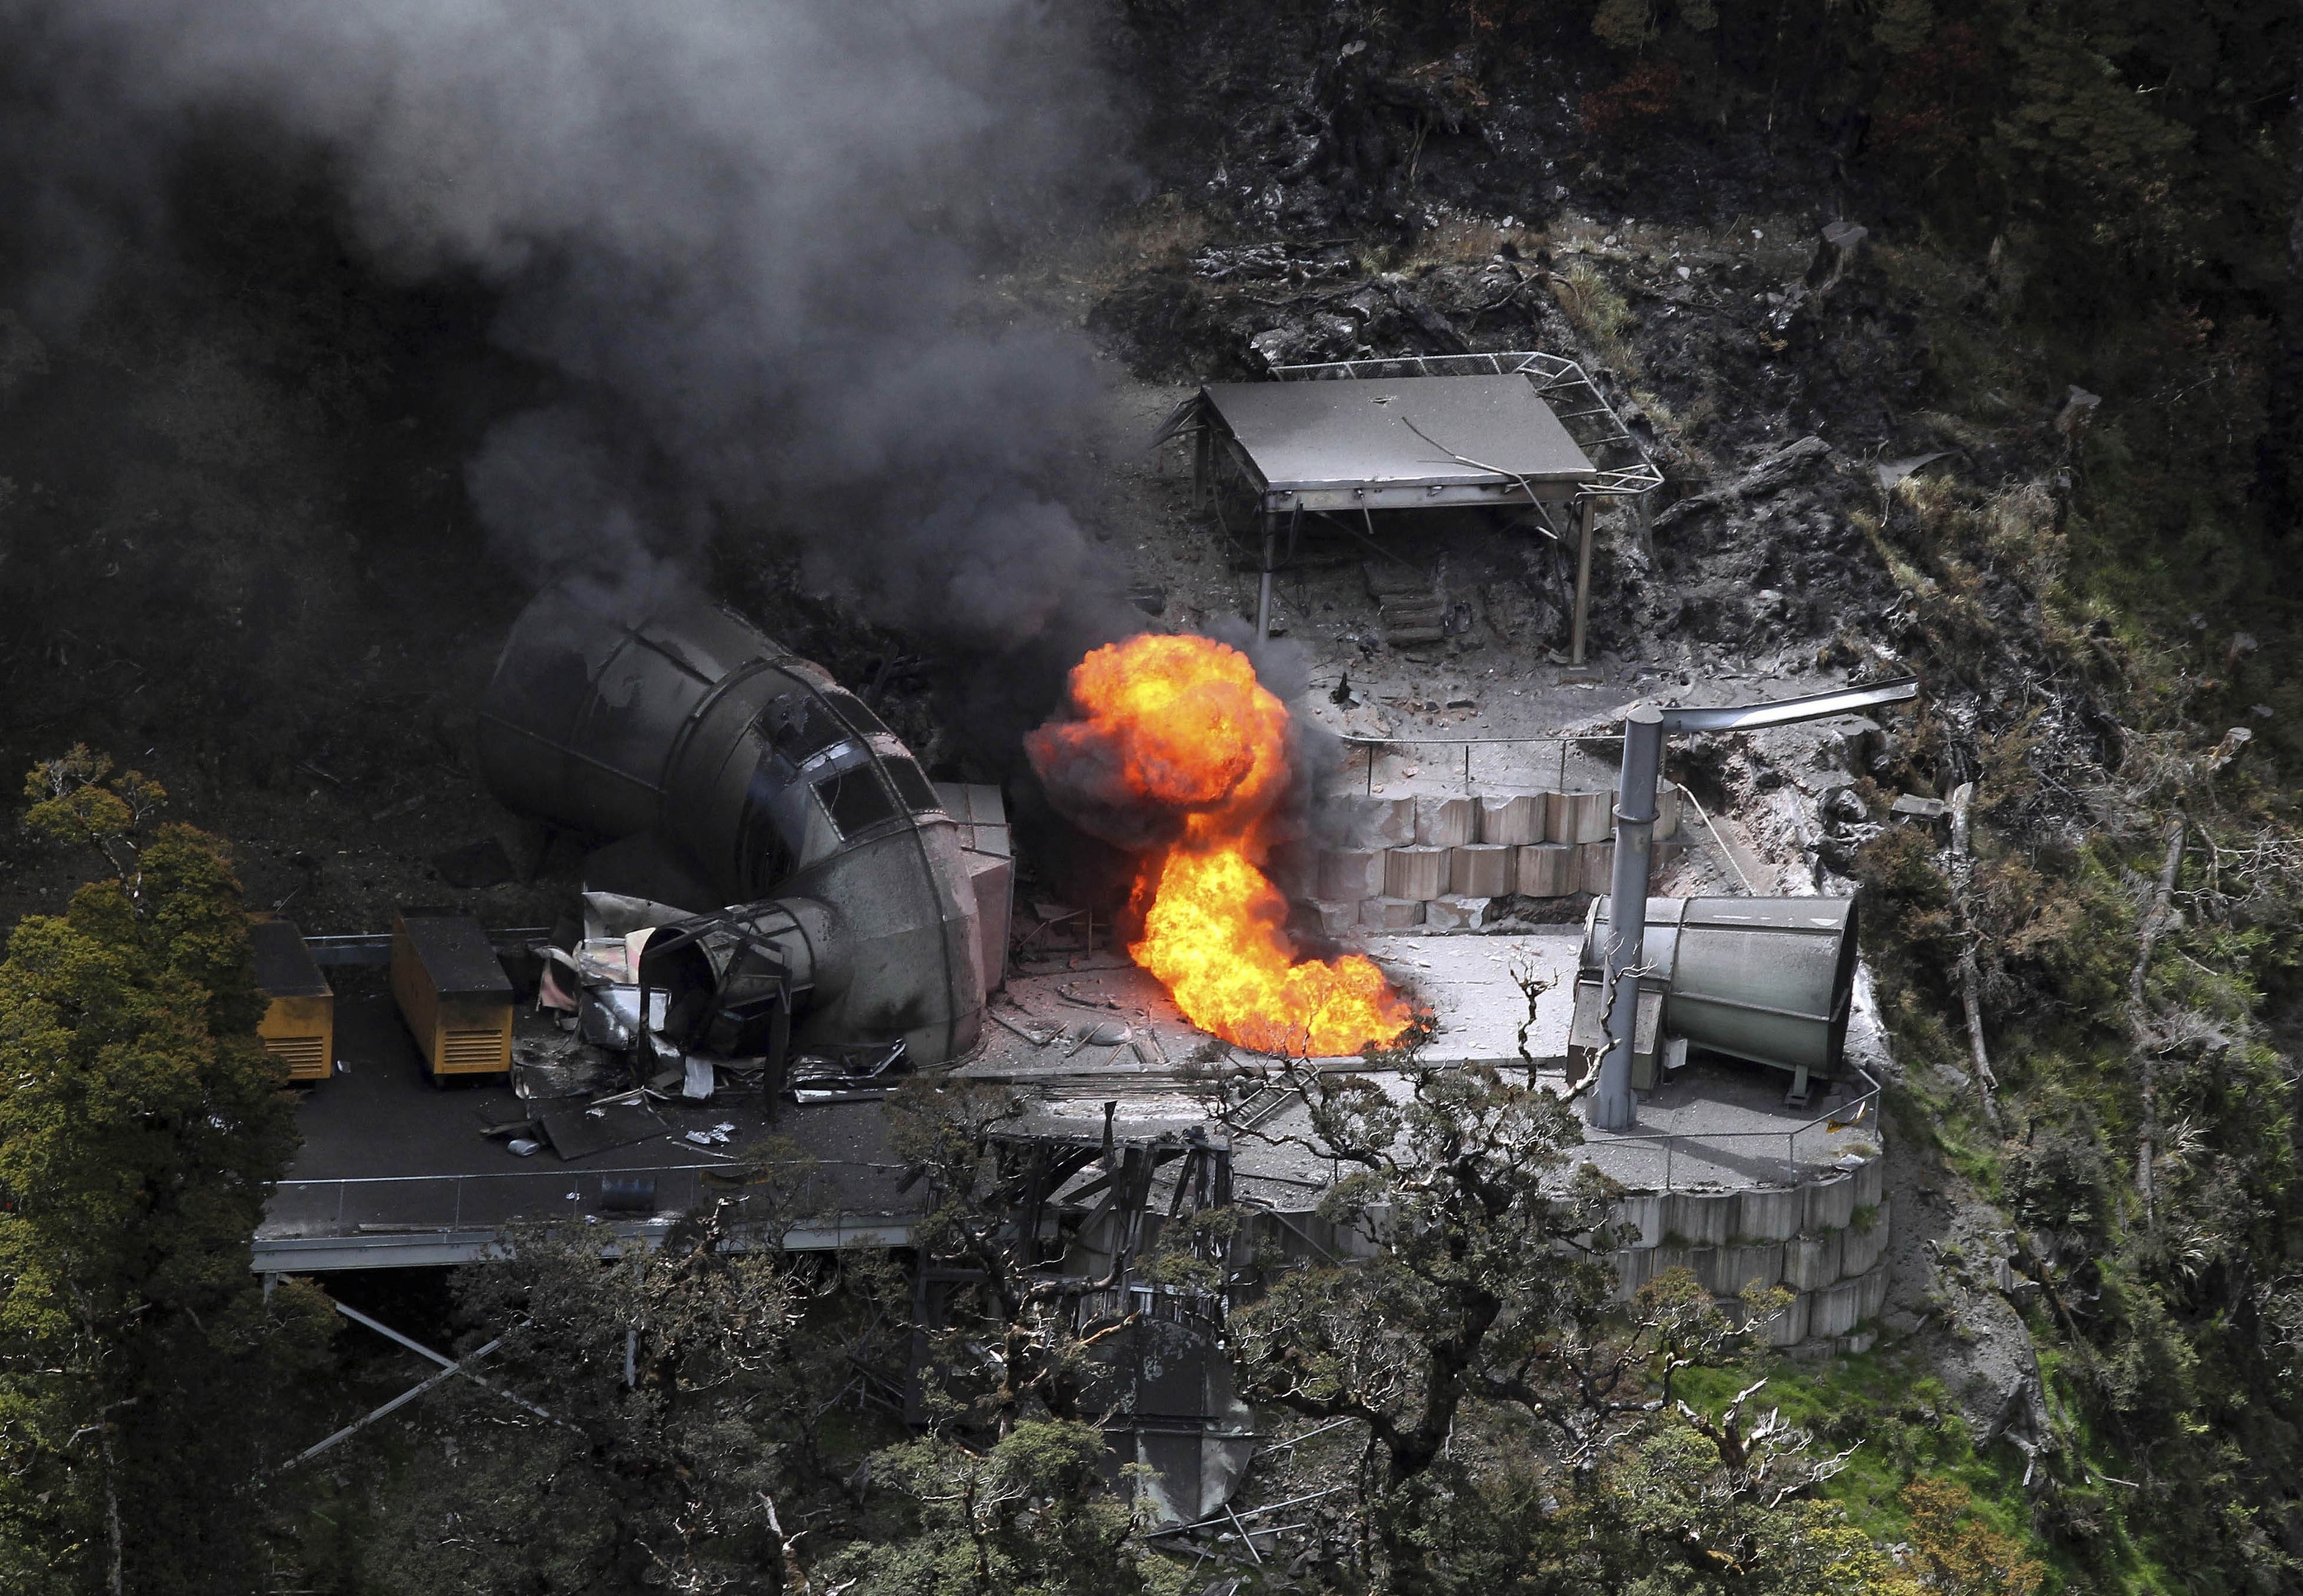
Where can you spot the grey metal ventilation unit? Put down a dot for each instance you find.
(811, 826)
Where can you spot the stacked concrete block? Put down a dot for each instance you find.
(1514, 819)
(1811, 1262)
(1419, 873)
(1391, 914)
(1803, 1238)
(1703, 1263)
(1579, 817)
(1598, 867)
(1548, 870)
(1699, 1218)
(1830, 1205)
(1454, 911)
(1769, 1214)
(1865, 1244)
(1336, 916)
(1872, 1293)
(1446, 821)
(1788, 1328)
(1836, 1310)
(1662, 1260)
(1294, 861)
(1347, 875)
(1635, 1267)
(1377, 821)
(1482, 870)
(1638, 1219)
(1739, 1266)
(1870, 1182)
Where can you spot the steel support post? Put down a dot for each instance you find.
(1612, 1105)
(1263, 593)
(1585, 524)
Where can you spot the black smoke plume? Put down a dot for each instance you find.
(747, 237)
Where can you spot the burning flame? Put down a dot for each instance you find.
(1180, 725)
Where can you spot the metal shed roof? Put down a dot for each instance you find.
(1381, 444)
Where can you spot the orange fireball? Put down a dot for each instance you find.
(1180, 726)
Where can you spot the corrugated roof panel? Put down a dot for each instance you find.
(1413, 431)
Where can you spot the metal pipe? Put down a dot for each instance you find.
(1612, 1105)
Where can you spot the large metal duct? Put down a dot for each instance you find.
(1768, 979)
(777, 788)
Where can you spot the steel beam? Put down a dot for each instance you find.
(1584, 575)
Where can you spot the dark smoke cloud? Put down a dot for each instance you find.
(747, 233)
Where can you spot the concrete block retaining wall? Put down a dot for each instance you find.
(1419, 847)
(1837, 1276)
(1823, 1240)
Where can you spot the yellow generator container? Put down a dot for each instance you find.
(300, 1025)
(453, 993)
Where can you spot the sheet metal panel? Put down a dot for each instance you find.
(1326, 438)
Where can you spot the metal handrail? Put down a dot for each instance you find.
(1389, 742)
(552, 1172)
(1358, 740)
(345, 1184)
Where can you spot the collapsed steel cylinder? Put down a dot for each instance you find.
(774, 786)
(1767, 979)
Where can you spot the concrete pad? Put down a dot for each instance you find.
(1448, 821)
(1513, 818)
(1454, 912)
(1482, 870)
(1418, 872)
(1721, 1125)
(1468, 982)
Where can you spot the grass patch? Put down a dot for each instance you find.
(1905, 1425)
(1599, 314)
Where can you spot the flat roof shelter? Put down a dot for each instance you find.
(1516, 431)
